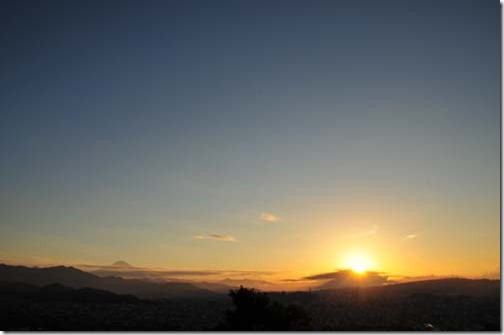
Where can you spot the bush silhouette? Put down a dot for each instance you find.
(254, 311)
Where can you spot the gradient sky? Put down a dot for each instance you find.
(252, 135)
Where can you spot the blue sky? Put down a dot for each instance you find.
(128, 128)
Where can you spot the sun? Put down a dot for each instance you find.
(357, 262)
(358, 266)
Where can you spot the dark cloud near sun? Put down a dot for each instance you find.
(338, 274)
(348, 278)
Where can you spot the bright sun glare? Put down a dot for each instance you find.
(359, 263)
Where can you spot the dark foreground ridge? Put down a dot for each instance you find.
(30, 301)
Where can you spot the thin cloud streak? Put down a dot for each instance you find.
(368, 232)
(175, 272)
(411, 236)
(268, 217)
(218, 237)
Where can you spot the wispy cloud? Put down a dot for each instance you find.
(410, 236)
(365, 232)
(219, 237)
(372, 230)
(268, 217)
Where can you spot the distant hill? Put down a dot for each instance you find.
(214, 287)
(255, 283)
(74, 278)
(448, 286)
(58, 292)
(227, 284)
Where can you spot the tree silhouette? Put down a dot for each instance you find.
(254, 311)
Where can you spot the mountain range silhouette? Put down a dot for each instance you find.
(66, 298)
(148, 289)
(75, 278)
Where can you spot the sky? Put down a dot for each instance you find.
(291, 137)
